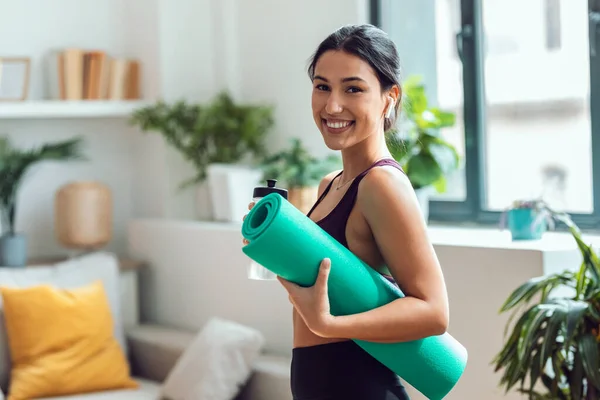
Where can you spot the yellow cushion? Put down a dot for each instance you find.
(61, 342)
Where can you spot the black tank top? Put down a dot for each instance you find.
(335, 222)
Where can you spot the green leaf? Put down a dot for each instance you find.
(444, 155)
(527, 290)
(555, 322)
(539, 314)
(423, 170)
(576, 377)
(588, 347)
(575, 312)
(535, 371)
(440, 185)
(445, 119)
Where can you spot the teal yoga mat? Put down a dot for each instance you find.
(288, 243)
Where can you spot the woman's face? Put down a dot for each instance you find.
(347, 102)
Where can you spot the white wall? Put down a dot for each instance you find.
(33, 28)
(197, 270)
(190, 49)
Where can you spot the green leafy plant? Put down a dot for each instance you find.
(296, 167)
(554, 342)
(16, 163)
(419, 146)
(219, 132)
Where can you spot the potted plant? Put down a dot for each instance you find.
(300, 172)
(223, 140)
(426, 157)
(14, 166)
(527, 219)
(551, 352)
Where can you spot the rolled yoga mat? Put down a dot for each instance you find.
(291, 245)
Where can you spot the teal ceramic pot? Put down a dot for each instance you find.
(13, 250)
(523, 224)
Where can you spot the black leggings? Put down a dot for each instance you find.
(342, 371)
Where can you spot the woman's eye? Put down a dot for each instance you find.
(321, 87)
(354, 89)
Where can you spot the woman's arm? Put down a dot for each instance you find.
(390, 207)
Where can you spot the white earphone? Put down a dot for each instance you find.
(390, 108)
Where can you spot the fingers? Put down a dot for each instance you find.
(323, 276)
(324, 268)
(250, 205)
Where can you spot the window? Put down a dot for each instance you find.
(525, 87)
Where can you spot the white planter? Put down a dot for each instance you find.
(230, 188)
(423, 196)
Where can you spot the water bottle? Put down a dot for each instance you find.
(255, 270)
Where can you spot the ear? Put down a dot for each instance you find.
(395, 92)
(392, 97)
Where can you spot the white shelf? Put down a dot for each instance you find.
(69, 109)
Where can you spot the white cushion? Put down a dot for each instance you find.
(147, 391)
(216, 364)
(73, 273)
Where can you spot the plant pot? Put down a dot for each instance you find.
(303, 198)
(13, 250)
(231, 188)
(423, 196)
(525, 224)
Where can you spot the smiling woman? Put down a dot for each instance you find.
(371, 208)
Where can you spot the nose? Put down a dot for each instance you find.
(333, 106)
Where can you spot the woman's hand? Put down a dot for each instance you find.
(245, 241)
(312, 303)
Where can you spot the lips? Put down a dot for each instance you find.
(337, 125)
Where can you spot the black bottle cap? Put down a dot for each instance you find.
(262, 191)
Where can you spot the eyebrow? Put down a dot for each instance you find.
(349, 79)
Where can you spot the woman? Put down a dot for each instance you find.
(370, 207)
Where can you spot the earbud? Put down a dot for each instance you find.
(390, 108)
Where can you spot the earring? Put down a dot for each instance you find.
(391, 104)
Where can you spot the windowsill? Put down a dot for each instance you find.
(495, 238)
(441, 235)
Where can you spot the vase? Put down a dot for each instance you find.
(83, 215)
(13, 250)
(231, 187)
(525, 224)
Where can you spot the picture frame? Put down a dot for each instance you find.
(14, 78)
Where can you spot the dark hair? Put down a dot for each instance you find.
(372, 45)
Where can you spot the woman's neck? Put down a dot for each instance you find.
(362, 155)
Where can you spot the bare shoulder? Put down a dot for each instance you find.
(386, 192)
(386, 181)
(327, 180)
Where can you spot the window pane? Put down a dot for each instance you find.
(450, 90)
(414, 25)
(537, 92)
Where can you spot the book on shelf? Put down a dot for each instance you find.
(81, 74)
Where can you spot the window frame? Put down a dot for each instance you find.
(472, 210)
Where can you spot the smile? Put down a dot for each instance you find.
(337, 126)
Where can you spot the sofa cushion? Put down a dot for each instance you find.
(147, 390)
(155, 349)
(216, 364)
(62, 342)
(68, 274)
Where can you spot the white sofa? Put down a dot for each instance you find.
(153, 350)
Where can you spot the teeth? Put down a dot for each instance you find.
(338, 125)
